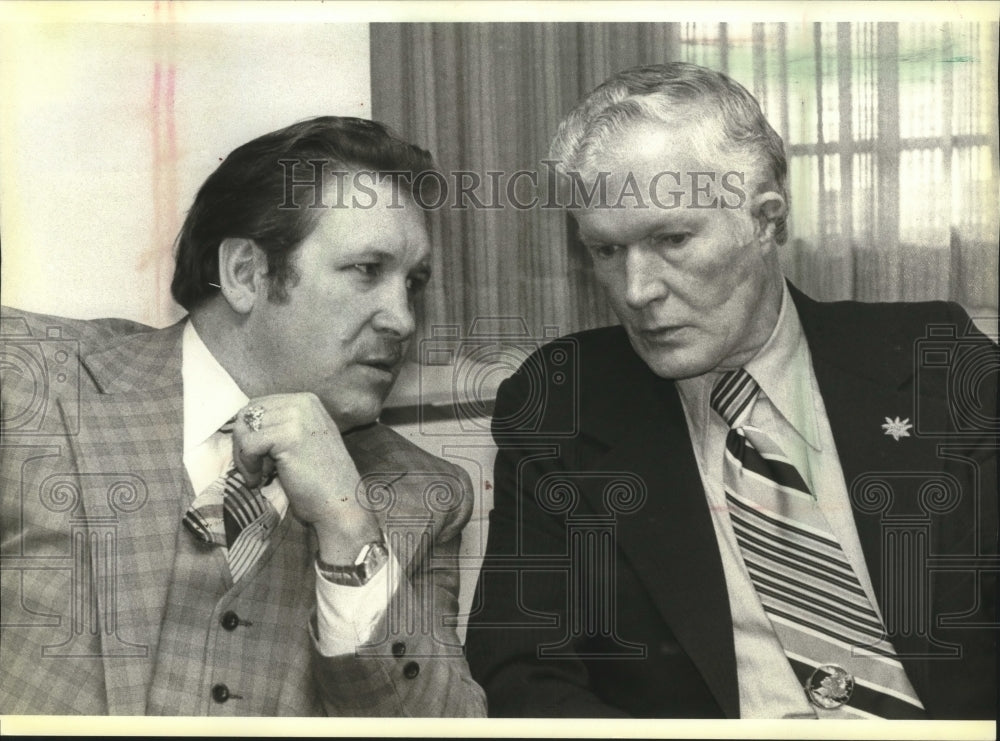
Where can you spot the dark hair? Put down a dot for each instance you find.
(655, 93)
(243, 198)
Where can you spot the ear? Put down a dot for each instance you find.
(242, 273)
(767, 209)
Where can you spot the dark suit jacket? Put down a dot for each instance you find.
(92, 489)
(643, 627)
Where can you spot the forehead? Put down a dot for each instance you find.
(360, 214)
(658, 176)
(686, 144)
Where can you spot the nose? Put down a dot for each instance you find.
(395, 311)
(643, 282)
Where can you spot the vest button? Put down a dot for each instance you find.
(411, 670)
(220, 693)
(230, 620)
(398, 648)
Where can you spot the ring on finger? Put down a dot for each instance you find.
(253, 416)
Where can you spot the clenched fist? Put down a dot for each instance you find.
(296, 437)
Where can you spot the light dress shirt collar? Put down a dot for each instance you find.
(782, 370)
(211, 396)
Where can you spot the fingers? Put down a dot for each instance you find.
(252, 444)
(250, 465)
(270, 431)
(294, 436)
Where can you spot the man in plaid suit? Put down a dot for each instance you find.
(298, 263)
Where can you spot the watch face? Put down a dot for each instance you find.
(369, 562)
(373, 560)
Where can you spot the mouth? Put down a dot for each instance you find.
(387, 364)
(659, 334)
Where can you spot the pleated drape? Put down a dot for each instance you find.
(890, 131)
(487, 98)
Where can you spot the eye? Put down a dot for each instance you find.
(417, 282)
(674, 239)
(605, 251)
(368, 269)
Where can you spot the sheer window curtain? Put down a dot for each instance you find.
(890, 129)
(891, 135)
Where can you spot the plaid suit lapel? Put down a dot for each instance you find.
(132, 430)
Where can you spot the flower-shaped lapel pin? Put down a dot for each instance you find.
(897, 428)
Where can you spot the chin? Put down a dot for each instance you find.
(357, 412)
(676, 366)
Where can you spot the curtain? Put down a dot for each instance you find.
(890, 130)
(487, 98)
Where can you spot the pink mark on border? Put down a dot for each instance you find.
(163, 132)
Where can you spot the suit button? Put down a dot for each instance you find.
(230, 620)
(411, 670)
(398, 648)
(220, 693)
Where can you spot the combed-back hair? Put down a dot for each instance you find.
(726, 119)
(247, 196)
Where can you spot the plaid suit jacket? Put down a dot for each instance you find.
(93, 489)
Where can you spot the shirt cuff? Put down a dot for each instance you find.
(346, 616)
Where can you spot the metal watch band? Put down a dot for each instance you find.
(370, 560)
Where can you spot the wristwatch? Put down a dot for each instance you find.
(370, 560)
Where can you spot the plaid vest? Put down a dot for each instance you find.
(240, 649)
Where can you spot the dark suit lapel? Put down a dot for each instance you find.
(134, 487)
(856, 408)
(861, 386)
(670, 540)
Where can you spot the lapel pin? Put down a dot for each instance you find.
(897, 428)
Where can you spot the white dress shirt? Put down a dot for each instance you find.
(345, 615)
(790, 408)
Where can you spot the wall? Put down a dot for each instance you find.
(108, 129)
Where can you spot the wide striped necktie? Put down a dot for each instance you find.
(827, 626)
(228, 513)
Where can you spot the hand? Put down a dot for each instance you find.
(297, 437)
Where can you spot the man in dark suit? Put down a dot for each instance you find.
(740, 503)
(207, 519)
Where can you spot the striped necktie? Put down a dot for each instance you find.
(230, 514)
(828, 629)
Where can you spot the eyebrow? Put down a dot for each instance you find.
(373, 253)
(668, 223)
(362, 252)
